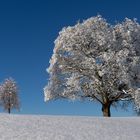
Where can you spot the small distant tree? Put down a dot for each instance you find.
(97, 61)
(9, 95)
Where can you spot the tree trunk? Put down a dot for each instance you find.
(9, 110)
(106, 110)
(9, 105)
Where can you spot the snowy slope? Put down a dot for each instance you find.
(31, 127)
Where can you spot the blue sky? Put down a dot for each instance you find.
(27, 32)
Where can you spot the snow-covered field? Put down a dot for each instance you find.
(31, 127)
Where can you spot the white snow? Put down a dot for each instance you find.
(36, 127)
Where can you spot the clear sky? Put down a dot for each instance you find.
(27, 32)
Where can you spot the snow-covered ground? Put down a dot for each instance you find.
(31, 127)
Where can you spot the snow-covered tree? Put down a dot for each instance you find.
(9, 95)
(97, 61)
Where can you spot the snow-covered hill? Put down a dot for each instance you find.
(31, 127)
